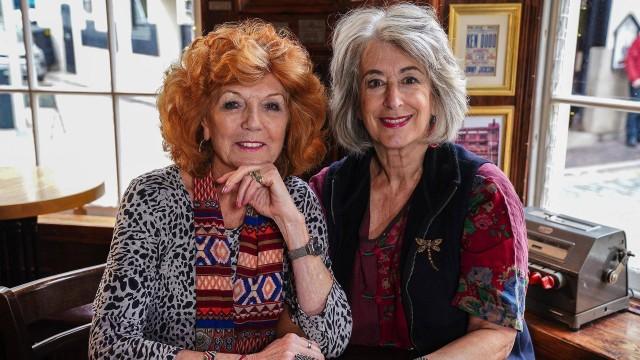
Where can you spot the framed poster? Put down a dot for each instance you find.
(488, 132)
(484, 40)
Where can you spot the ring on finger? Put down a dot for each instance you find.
(256, 175)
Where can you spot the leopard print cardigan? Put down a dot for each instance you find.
(145, 304)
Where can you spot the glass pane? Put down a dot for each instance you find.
(151, 36)
(70, 45)
(13, 66)
(606, 32)
(16, 133)
(601, 180)
(77, 131)
(140, 139)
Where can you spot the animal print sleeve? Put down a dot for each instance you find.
(126, 288)
(331, 329)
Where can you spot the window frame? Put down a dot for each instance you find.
(32, 90)
(553, 99)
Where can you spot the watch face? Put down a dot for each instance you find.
(315, 247)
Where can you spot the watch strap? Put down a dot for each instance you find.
(305, 250)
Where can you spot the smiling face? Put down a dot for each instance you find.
(395, 97)
(247, 124)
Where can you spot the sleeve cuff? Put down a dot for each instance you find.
(502, 307)
(331, 328)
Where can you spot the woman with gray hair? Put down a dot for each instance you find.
(427, 238)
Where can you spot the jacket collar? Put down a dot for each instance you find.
(441, 171)
(354, 178)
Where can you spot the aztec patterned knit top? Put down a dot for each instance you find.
(145, 307)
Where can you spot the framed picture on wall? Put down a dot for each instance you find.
(484, 39)
(488, 132)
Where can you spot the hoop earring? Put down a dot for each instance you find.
(200, 145)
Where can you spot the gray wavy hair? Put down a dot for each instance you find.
(415, 30)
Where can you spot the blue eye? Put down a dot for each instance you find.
(272, 106)
(230, 105)
(374, 83)
(410, 80)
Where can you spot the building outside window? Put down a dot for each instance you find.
(86, 99)
(585, 168)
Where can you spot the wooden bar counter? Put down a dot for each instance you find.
(614, 337)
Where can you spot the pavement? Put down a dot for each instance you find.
(602, 184)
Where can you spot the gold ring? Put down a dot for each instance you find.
(257, 176)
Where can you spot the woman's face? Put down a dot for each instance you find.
(248, 124)
(396, 101)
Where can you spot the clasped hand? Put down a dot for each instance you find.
(269, 197)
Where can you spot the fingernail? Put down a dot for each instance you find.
(224, 189)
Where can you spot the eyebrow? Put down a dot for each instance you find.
(409, 68)
(403, 70)
(372, 72)
(269, 95)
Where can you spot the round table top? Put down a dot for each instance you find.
(28, 192)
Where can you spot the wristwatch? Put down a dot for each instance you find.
(311, 248)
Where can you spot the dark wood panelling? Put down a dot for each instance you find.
(261, 7)
(523, 100)
(65, 246)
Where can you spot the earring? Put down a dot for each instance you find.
(200, 145)
(432, 120)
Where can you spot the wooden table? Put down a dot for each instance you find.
(26, 193)
(616, 336)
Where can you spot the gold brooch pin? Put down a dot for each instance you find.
(429, 245)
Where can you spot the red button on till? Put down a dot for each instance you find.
(535, 278)
(548, 282)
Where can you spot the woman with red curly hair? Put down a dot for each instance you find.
(223, 255)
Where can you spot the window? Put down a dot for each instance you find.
(74, 91)
(138, 12)
(585, 165)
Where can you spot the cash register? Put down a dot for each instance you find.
(577, 269)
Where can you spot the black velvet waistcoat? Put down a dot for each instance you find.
(437, 210)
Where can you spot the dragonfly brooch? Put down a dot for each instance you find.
(429, 246)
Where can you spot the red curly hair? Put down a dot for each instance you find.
(241, 53)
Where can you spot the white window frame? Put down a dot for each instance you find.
(32, 91)
(554, 96)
